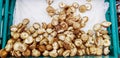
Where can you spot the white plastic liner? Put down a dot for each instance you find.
(35, 10)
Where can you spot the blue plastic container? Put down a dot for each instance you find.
(110, 16)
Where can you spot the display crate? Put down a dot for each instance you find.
(110, 16)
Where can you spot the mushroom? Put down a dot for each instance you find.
(15, 35)
(80, 52)
(87, 51)
(44, 41)
(33, 45)
(60, 44)
(84, 37)
(106, 50)
(78, 42)
(19, 25)
(88, 6)
(44, 25)
(73, 52)
(61, 36)
(97, 27)
(50, 39)
(75, 4)
(27, 52)
(18, 46)
(36, 53)
(41, 31)
(76, 25)
(29, 40)
(9, 47)
(82, 8)
(93, 50)
(53, 53)
(49, 30)
(35, 34)
(66, 53)
(83, 21)
(46, 53)
(50, 10)
(90, 32)
(49, 2)
(49, 47)
(62, 5)
(106, 24)
(106, 36)
(3, 53)
(13, 28)
(60, 51)
(55, 45)
(36, 26)
(39, 38)
(64, 25)
(32, 29)
(11, 41)
(107, 42)
(42, 48)
(88, 0)
(103, 32)
(24, 35)
(99, 51)
(54, 33)
(25, 21)
(16, 53)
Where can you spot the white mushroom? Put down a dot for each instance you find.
(24, 35)
(41, 31)
(84, 37)
(3, 53)
(15, 35)
(35, 53)
(88, 6)
(60, 44)
(82, 8)
(80, 52)
(73, 52)
(18, 46)
(50, 39)
(62, 5)
(106, 24)
(29, 40)
(97, 27)
(60, 51)
(36, 25)
(106, 36)
(76, 25)
(49, 2)
(107, 42)
(78, 42)
(99, 51)
(25, 21)
(49, 30)
(46, 53)
(66, 53)
(53, 53)
(9, 47)
(106, 50)
(27, 52)
(39, 38)
(54, 33)
(61, 36)
(75, 4)
(55, 45)
(13, 28)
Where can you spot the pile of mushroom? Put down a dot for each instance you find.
(61, 37)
